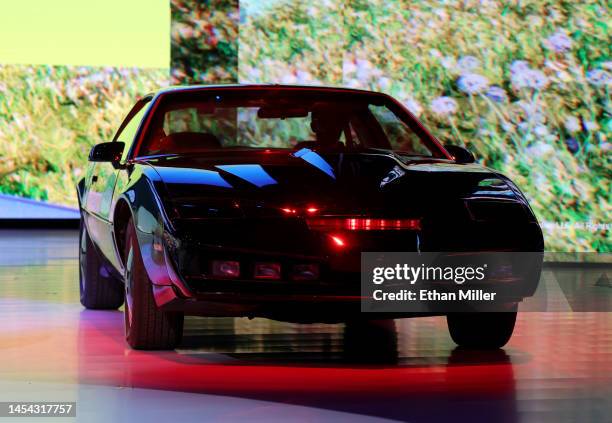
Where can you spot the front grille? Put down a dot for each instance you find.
(336, 283)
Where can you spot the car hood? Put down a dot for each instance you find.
(264, 182)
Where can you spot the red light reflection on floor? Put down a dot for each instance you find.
(557, 367)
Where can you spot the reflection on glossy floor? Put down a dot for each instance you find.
(557, 367)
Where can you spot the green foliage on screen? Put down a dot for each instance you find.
(525, 85)
(204, 41)
(51, 116)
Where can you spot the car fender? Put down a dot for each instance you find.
(153, 228)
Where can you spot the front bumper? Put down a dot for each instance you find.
(178, 269)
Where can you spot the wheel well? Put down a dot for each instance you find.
(120, 222)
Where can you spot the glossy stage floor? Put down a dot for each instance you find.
(557, 367)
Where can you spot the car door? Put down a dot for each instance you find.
(102, 178)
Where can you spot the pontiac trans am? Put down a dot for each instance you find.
(257, 200)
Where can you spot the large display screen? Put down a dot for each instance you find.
(524, 85)
(69, 72)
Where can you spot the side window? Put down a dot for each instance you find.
(130, 125)
(400, 135)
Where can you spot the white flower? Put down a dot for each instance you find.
(349, 67)
(413, 105)
(435, 53)
(448, 62)
(384, 83)
(443, 106)
(364, 69)
(472, 83)
(529, 108)
(467, 64)
(440, 13)
(304, 77)
(519, 66)
(184, 31)
(559, 42)
(353, 83)
(253, 75)
(288, 78)
(507, 126)
(496, 94)
(599, 77)
(572, 124)
(524, 126)
(530, 78)
(540, 149)
(564, 76)
(590, 125)
(540, 130)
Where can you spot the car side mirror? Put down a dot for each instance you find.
(460, 154)
(109, 152)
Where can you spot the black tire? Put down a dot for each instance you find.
(146, 327)
(99, 290)
(481, 330)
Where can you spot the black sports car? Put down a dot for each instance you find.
(257, 200)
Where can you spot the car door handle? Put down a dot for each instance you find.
(94, 179)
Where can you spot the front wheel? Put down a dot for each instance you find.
(146, 327)
(481, 330)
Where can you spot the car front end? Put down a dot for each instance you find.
(291, 249)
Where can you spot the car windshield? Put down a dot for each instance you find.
(212, 119)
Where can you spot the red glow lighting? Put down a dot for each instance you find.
(364, 224)
(289, 211)
(312, 210)
(338, 241)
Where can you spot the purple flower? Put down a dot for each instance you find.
(572, 145)
(472, 83)
(599, 77)
(444, 106)
(497, 94)
(559, 42)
